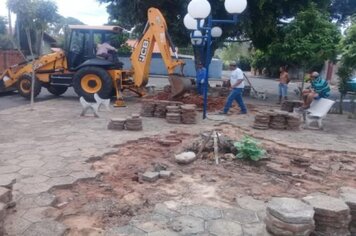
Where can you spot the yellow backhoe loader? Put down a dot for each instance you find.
(78, 65)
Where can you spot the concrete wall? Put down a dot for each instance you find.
(158, 67)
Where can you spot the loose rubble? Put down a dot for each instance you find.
(185, 158)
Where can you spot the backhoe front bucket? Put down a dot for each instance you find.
(179, 85)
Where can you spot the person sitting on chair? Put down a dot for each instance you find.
(106, 51)
(319, 89)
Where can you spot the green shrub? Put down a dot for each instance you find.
(250, 149)
(5, 42)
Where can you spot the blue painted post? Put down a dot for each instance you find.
(207, 63)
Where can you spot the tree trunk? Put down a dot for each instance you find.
(38, 43)
(341, 103)
(302, 88)
(28, 35)
(10, 22)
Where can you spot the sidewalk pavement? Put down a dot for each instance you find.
(50, 147)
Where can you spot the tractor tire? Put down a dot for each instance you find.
(90, 80)
(24, 86)
(57, 90)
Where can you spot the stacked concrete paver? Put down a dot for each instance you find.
(288, 216)
(332, 215)
(5, 200)
(349, 196)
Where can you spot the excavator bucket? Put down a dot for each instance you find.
(179, 85)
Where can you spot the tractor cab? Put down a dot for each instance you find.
(82, 44)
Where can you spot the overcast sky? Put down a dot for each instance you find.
(89, 12)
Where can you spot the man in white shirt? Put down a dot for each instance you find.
(103, 49)
(237, 88)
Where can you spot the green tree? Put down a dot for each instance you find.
(3, 23)
(348, 60)
(33, 16)
(59, 29)
(310, 39)
(342, 9)
(261, 21)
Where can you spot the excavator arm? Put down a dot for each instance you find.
(156, 32)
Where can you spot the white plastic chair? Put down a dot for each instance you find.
(317, 112)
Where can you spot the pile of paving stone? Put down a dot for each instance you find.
(289, 105)
(288, 216)
(349, 196)
(173, 114)
(134, 123)
(189, 113)
(293, 122)
(262, 121)
(117, 124)
(157, 108)
(332, 215)
(159, 171)
(148, 108)
(5, 200)
(160, 109)
(276, 119)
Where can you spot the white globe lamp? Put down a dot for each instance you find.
(235, 6)
(199, 9)
(196, 41)
(191, 23)
(216, 32)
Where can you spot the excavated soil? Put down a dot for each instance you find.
(119, 194)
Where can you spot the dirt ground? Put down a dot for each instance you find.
(119, 194)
